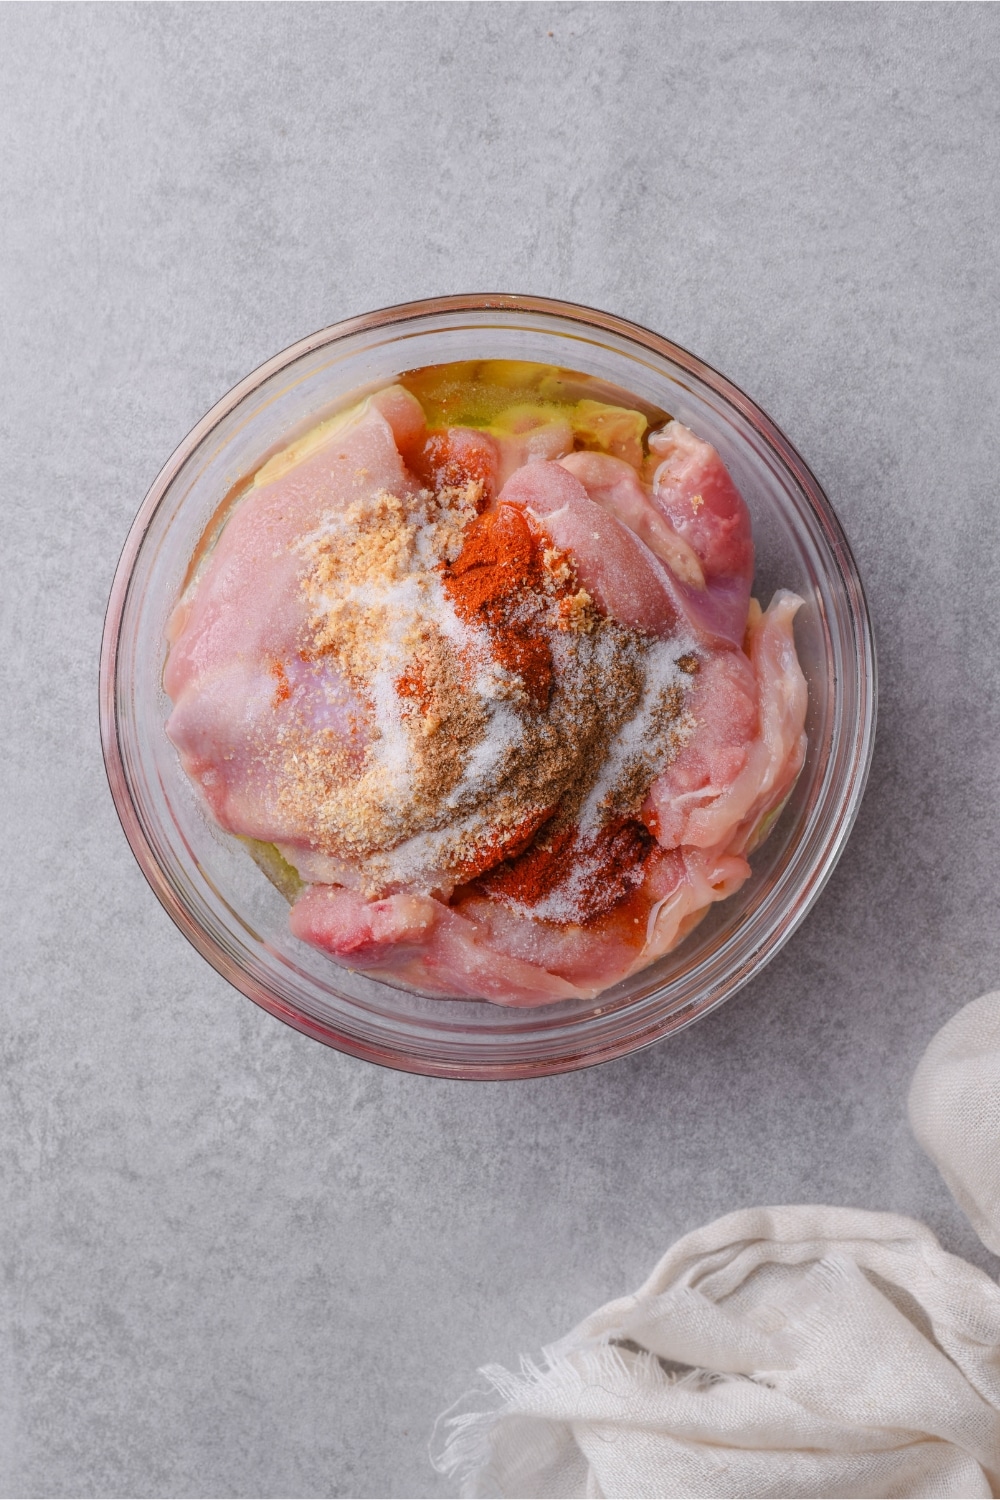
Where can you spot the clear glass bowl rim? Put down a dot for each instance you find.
(862, 730)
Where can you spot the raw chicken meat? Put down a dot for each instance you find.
(614, 565)
(664, 549)
(235, 670)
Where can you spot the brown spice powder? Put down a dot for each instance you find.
(564, 680)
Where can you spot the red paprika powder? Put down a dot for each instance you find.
(498, 581)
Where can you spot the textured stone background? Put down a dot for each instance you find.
(235, 1263)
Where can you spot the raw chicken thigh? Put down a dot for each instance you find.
(494, 688)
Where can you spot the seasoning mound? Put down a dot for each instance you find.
(498, 701)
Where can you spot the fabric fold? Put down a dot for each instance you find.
(794, 1350)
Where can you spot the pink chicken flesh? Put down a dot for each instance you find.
(666, 551)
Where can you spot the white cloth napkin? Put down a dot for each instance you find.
(781, 1351)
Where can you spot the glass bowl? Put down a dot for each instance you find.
(226, 906)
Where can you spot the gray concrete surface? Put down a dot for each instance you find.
(235, 1263)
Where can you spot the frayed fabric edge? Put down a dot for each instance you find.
(461, 1444)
